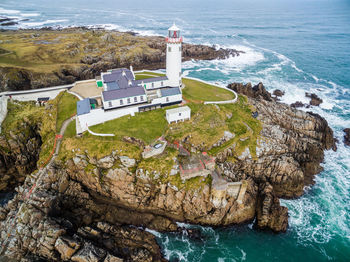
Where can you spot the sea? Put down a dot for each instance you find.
(296, 46)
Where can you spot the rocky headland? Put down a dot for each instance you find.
(62, 56)
(88, 208)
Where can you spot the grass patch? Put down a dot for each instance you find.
(71, 130)
(96, 146)
(67, 107)
(146, 125)
(198, 92)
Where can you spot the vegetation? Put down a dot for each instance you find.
(67, 107)
(46, 51)
(196, 91)
(43, 117)
(146, 126)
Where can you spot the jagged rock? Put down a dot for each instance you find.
(315, 100)
(297, 104)
(89, 253)
(253, 92)
(278, 93)
(127, 162)
(347, 136)
(66, 246)
(270, 215)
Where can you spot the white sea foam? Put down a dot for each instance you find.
(4, 11)
(37, 24)
(155, 233)
(30, 14)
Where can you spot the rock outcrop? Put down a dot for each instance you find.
(19, 153)
(314, 99)
(87, 209)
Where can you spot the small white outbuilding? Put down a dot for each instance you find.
(178, 114)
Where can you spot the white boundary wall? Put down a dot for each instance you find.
(34, 94)
(3, 109)
(98, 116)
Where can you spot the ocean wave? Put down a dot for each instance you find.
(38, 24)
(4, 11)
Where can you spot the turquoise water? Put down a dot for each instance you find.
(296, 46)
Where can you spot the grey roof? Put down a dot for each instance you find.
(123, 93)
(115, 79)
(170, 91)
(83, 106)
(112, 86)
(152, 79)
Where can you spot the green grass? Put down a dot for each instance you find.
(146, 126)
(67, 107)
(71, 130)
(197, 92)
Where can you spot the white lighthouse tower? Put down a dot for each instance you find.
(173, 56)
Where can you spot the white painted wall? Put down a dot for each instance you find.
(116, 103)
(173, 63)
(3, 109)
(156, 84)
(98, 116)
(167, 99)
(178, 116)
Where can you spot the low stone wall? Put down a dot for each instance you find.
(3, 109)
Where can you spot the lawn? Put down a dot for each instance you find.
(198, 91)
(146, 126)
(67, 107)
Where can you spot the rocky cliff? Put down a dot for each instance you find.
(96, 209)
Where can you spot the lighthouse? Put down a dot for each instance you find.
(173, 56)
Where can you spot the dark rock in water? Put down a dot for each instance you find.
(278, 93)
(193, 233)
(297, 104)
(315, 100)
(347, 136)
(9, 23)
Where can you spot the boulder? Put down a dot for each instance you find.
(278, 93)
(66, 246)
(315, 100)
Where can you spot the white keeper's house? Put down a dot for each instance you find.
(120, 89)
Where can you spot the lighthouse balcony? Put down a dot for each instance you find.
(173, 40)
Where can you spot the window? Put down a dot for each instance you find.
(141, 98)
(180, 48)
(169, 49)
(179, 114)
(167, 99)
(135, 99)
(121, 101)
(179, 73)
(161, 83)
(152, 84)
(128, 100)
(110, 104)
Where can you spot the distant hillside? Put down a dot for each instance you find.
(45, 57)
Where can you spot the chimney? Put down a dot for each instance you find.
(131, 69)
(123, 73)
(129, 82)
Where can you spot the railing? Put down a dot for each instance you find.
(173, 40)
